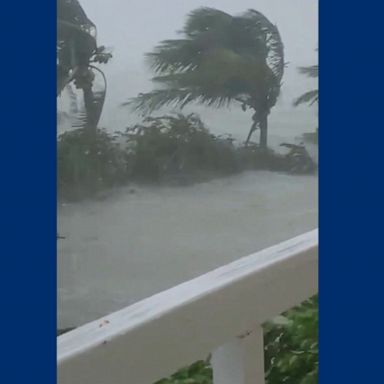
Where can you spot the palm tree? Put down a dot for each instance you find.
(77, 51)
(220, 59)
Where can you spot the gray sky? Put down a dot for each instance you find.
(134, 27)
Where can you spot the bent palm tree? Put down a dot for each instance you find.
(77, 50)
(220, 59)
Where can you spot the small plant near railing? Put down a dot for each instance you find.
(291, 346)
(198, 373)
(291, 351)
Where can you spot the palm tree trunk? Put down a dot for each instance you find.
(89, 108)
(264, 132)
(253, 128)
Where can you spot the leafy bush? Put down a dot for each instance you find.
(291, 347)
(161, 149)
(175, 145)
(87, 162)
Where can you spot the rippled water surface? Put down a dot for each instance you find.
(141, 240)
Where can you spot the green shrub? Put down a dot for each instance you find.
(291, 347)
(88, 162)
(177, 144)
(161, 149)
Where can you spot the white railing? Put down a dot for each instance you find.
(220, 312)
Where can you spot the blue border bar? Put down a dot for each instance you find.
(351, 192)
(28, 192)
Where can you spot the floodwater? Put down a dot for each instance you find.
(142, 240)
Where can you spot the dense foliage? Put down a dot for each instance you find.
(291, 346)
(167, 148)
(176, 145)
(88, 162)
(176, 149)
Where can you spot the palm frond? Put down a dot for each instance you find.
(174, 55)
(311, 71)
(273, 41)
(203, 19)
(149, 102)
(310, 97)
(146, 103)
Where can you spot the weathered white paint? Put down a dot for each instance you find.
(153, 338)
(240, 361)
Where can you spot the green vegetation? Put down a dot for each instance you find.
(163, 149)
(291, 347)
(198, 373)
(220, 59)
(157, 151)
(291, 351)
(88, 162)
(167, 149)
(176, 145)
(172, 149)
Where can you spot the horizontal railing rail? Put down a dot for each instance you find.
(220, 312)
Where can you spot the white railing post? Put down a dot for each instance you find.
(240, 361)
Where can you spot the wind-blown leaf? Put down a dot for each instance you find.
(312, 71)
(309, 97)
(151, 101)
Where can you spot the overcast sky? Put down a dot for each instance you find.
(134, 27)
